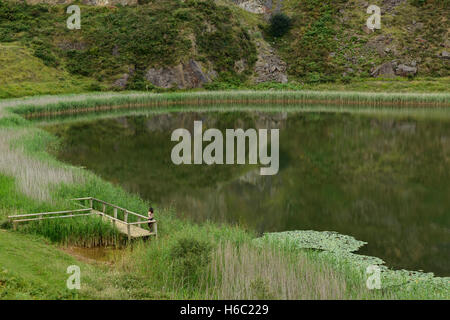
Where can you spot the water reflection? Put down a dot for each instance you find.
(383, 180)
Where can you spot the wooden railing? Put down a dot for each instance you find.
(48, 215)
(115, 214)
(118, 215)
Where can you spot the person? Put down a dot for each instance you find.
(151, 218)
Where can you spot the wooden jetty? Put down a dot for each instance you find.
(126, 222)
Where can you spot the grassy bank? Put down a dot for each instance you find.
(187, 260)
(91, 102)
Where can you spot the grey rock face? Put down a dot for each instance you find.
(269, 67)
(445, 55)
(182, 76)
(404, 70)
(389, 5)
(253, 6)
(379, 44)
(385, 70)
(122, 82)
(68, 45)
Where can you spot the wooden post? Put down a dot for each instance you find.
(104, 208)
(91, 203)
(115, 216)
(14, 225)
(125, 218)
(155, 229)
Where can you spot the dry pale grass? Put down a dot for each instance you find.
(249, 272)
(34, 177)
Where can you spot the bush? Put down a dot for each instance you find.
(279, 24)
(5, 224)
(190, 257)
(418, 3)
(46, 56)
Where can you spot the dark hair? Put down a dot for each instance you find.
(151, 210)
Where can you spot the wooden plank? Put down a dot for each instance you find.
(122, 227)
(80, 199)
(58, 217)
(47, 213)
(110, 205)
(141, 222)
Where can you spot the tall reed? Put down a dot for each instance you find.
(91, 102)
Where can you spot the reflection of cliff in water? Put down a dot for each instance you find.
(382, 180)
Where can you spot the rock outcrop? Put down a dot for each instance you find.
(386, 70)
(269, 67)
(183, 76)
(254, 6)
(405, 71)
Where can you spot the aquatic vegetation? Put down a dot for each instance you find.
(338, 249)
(326, 240)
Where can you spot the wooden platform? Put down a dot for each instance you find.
(130, 227)
(122, 227)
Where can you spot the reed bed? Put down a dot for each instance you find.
(78, 231)
(101, 102)
(34, 176)
(247, 272)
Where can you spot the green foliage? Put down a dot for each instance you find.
(79, 231)
(308, 52)
(82, 231)
(261, 290)
(46, 56)
(418, 3)
(190, 257)
(280, 24)
(111, 41)
(31, 269)
(338, 249)
(218, 39)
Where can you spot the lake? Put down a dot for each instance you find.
(382, 179)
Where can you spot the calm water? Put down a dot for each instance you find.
(382, 180)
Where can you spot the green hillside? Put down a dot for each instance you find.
(174, 44)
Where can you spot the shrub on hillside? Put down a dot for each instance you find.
(279, 24)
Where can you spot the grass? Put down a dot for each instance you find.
(71, 104)
(32, 269)
(248, 272)
(24, 74)
(161, 269)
